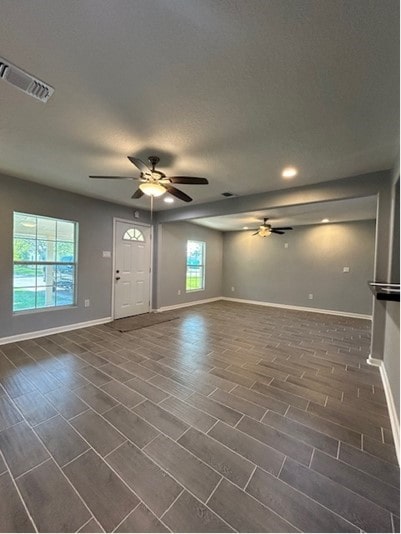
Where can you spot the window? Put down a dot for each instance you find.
(44, 262)
(133, 234)
(195, 265)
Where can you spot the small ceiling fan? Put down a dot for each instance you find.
(156, 183)
(265, 229)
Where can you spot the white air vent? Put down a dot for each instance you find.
(24, 81)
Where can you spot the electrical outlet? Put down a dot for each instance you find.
(285, 245)
(232, 288)
(310, 296)
(87, 303)
(179, 292)
(345, 269)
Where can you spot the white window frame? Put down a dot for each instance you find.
(202, 265)
(37, 263)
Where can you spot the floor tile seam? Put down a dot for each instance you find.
(171, 505)
(366, 472)
(267, 380)
(299, 395)
(32, 468)
(78, 455)
(327, 420)
(10, 360)
(64, 476)
(92, 518)
(393, 523)
(196, 457)
(18, 370)
(103, 459)
(46, 420)
(194, 407)
(347, 427)
(165, 377)
(196, 498)
(155, 427)
(213, 491)
(248, 436)
(203, 462)
(255, 391)
(143, 448)
(275, 430)
(15, 485)
(100, 368)
(26, 352)
(242, 399)
(119, 402)
(232, 451)
(253, 472)
(292, 436)
(283, 391)
(13, 425)
(238, 422)
(125, 517)
(271, 510)
(192, 391)
(350, 490)
(90, 381)
(218, 402)
(89, 406)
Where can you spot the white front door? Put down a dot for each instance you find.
(131, 269)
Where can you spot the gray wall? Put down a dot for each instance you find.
(171, 265)
(262, 269)
(392, 350)
(95, 220)
(391, 353)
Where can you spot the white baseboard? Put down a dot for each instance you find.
(395, 423)
(186, 304)
(300, 308)
(55, 330)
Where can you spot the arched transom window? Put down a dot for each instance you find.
(133, 234)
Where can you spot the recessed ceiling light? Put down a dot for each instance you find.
(325, 220)
(169, 200)
(245, 228)
(289, 172)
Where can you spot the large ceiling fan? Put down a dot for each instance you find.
(265, 229)
(155, 183)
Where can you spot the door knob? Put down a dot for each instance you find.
(117, 278)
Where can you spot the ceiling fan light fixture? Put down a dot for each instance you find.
(152, 189)
(264, 231)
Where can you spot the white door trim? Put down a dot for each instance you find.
(113, 270)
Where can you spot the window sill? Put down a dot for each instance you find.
(194, 290)
(41, 310)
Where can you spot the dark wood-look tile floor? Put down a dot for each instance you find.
(230, 418)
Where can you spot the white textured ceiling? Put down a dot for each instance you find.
(232, 90)
(353, 209)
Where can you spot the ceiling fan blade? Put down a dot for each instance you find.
(138, 193)
(139, 164)
(283, 228)
(187, 180)
(177, 193)
(115, 177)
(277, 232)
